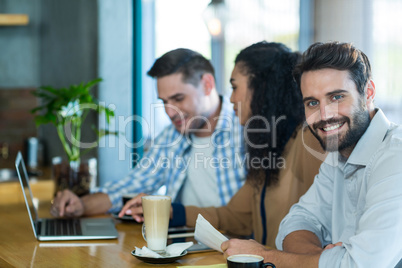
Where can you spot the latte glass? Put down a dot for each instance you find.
(156, 209)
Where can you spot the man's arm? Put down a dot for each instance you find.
(279, 258)
(145, 178)
(109, 197)
(67, 204)
(97, 203)
(374, 243)
(312, 216)
(302, 242)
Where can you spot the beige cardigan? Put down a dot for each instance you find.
(242, 217)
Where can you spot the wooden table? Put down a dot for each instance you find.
(19, 247)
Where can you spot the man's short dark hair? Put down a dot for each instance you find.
(188, 62)
(339, 56)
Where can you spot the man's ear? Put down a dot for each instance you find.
(208, 82)
(370, 91)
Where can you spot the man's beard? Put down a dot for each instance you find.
(192, 126)
(361, 121)
(195, 125)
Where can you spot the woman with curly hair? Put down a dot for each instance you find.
(271, 103)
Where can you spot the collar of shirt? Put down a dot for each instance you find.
(227, 119)
(367, 145)
(227, 126)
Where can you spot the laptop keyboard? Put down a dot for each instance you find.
(63, 227)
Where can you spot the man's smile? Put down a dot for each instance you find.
(332, 127)
(179, 122)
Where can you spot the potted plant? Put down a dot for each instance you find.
(67, 109)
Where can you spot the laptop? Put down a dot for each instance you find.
(61, 229)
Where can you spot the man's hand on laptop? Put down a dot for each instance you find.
(67, 204)
(133, 207)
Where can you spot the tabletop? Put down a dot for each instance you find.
(19, 247)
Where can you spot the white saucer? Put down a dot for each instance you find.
(162, 260)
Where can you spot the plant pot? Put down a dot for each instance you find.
(75, 176)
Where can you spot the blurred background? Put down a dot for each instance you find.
(64, 42)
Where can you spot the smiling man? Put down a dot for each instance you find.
(352, 214)
(336, 114)
(194, 158)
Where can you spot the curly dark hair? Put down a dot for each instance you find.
(275, 98)
(182, 60)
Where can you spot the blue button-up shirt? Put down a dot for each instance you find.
(357, 202)
(164, 164)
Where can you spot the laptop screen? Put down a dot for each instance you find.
(26, 190)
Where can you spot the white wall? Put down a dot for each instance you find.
(344, 21)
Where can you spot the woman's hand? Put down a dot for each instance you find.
(133, 207)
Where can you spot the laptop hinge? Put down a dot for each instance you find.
(38, 224)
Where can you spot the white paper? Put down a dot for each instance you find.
(207, 234)
(172, 250)
(146, 252)
(177, 248)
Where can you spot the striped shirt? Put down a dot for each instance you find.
(165, 163)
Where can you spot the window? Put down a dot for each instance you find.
(387, 57)
(176, 24)
(179, 23)
(255, 20)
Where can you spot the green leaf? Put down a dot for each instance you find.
(93, 82)
(55, 100)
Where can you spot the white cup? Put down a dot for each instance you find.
(156, 210)
(247, 261)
